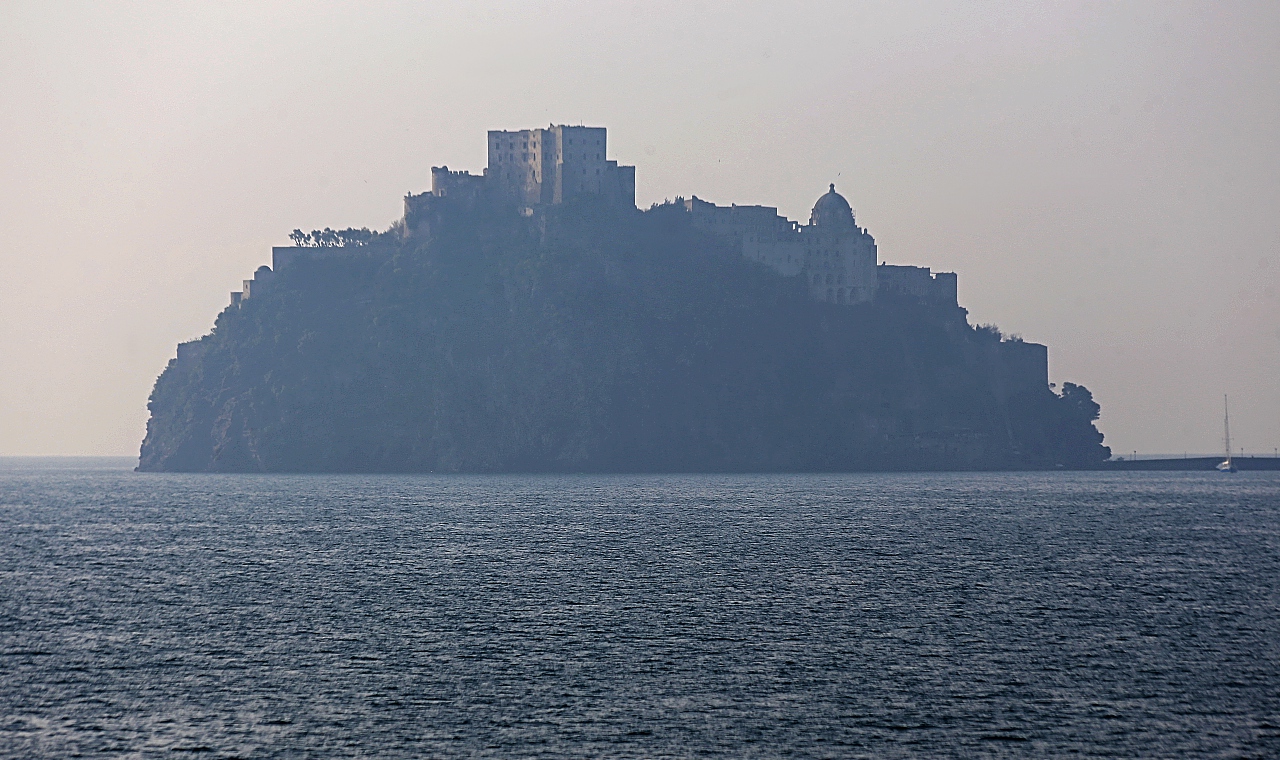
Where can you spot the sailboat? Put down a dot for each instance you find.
(1227, 465)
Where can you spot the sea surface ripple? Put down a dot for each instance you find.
(920, 615)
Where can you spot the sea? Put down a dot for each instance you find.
(1059, 614)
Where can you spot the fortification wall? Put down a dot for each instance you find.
(284, 256)
(190, 351)
(463, 186)
(918, 283)
(1024, 366)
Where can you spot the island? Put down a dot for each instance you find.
(532, 319)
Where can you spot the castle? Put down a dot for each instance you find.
(532, 170)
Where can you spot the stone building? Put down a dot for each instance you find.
(917, 283)
(760, 233)
(836, 257)
(528, 169)
(261, 276)
(840, 263)
(549, 166)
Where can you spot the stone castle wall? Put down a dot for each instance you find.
(918, 283)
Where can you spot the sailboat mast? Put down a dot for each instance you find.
(1226, 425)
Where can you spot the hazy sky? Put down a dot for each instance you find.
(1104, 177)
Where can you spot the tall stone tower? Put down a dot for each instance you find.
(532, 167)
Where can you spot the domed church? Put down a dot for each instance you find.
(836, 257)
(840, 256)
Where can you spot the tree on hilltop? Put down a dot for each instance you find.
(329, 237)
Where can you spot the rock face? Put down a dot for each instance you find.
(593, 340)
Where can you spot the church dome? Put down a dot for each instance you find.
(832, 212)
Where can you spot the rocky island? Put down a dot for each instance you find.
(531, 319)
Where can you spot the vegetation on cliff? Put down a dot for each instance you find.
(596, 340)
